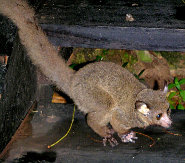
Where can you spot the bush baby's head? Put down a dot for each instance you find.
(153, 108)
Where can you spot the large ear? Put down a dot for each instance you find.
(142, 108)
(165, 90)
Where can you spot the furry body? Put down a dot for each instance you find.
(108, 93)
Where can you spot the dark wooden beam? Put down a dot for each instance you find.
(19, 95)
(158, 25)
(139, 38)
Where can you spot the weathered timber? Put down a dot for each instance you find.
(24, 85)
(158, 25)
(117, 37)
(83, 145)
(19, 95)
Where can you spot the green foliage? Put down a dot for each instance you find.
(138, 76)
(80, 58)
(99, 58)
(124, 64)
(128, 60)
(102, 56)
(177, 97)
(73, 65)
(144, 56)
(175, 59)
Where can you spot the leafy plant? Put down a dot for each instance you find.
(73, 65)
(176, 97)
(99, 58)
(103, 55)
(138, 76)
(144, 56)
(124, 64)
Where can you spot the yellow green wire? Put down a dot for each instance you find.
(183, 1)
(49, 146)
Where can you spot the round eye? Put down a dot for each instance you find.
(159, 116)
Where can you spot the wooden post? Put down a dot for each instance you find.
(19, 95)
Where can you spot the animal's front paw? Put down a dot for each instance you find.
(129, 137)
(111, 140)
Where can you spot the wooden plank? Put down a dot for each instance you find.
(158, 25)
(18, 133)
(19, 95)
(147, 13)
(23, 85)
(117, 37)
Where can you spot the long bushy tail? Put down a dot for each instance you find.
(40, 50)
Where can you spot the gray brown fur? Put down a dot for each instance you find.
(105, 91)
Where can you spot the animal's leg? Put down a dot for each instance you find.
(121, 126)
(98, 121)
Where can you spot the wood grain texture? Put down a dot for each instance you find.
(139, 38)
(147, 13)
(19, 95)
(158, 25)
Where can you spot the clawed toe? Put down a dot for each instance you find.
(112, 141)
(130, 137)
